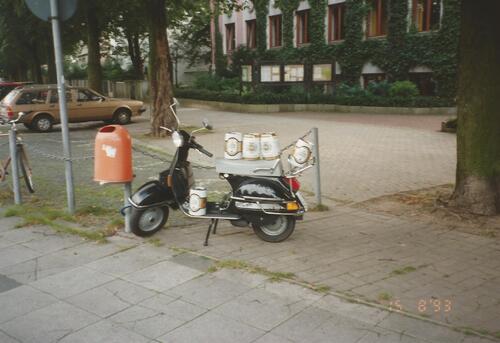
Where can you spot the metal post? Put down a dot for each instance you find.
(127, 192)
(14, 166)
(317, 174)
(61, 89)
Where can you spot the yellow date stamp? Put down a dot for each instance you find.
(431, 305)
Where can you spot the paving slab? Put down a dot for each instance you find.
(212, 327)
(4, 338)
(128, 261)
(148, 322)
(7, 283)
(71, 282)
(111, 297)
(261, 309)
(208, 291)
(163, 276)
(104, 331)
(176, 308)
(15, 254)
(22, 300)
(48, 324)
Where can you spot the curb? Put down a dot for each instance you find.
(277, 108)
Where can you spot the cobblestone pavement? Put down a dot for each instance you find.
(57, 288)
(362, 156)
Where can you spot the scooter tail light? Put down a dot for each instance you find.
(294, 183)
(10, 113)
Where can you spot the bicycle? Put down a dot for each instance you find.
(22, 156)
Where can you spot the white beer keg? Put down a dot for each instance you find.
(302, 153)
(233, 145)
(251, 146)
(198, 201)
(269, 146)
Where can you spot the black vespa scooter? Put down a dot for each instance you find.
(262, 195)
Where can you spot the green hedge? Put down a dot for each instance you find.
(302, 98)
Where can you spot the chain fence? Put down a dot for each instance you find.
(135, 148)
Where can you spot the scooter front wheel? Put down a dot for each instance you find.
(276, 230)
(145, 222)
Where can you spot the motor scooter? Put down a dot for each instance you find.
(262, 195)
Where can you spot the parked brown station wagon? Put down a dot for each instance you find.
(41, 105)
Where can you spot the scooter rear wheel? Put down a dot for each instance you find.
(146, 222)
(277, 231)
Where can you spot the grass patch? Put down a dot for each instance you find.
(242, 265)
(319, 208)
(322, 288)
(155, 242)
(403, 271)
(56, 219)
(384, 296)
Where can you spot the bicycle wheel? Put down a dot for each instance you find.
(25, 169)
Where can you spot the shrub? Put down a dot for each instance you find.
(216, 83)
(344, 89)
(403, 89)
(379, 88)
(292, 97)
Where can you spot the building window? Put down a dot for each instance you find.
(302, 27)
(271, 73)
(251, 34)
(246, 73)
(376, 77)
(230, 37)
(336, 28)
(376, 23)
(426, 14)
(322, 72)
(294, 73)
(275, 31)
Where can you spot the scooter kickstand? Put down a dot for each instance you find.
(212, 222)
(214, 231)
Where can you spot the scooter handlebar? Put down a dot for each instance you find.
(201, 149)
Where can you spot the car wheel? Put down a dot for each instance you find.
(122, 117)
(42, 123)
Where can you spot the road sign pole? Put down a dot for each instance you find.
(61, 89)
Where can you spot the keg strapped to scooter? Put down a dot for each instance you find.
(262, 194)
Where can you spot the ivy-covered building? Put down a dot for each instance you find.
(324, 42)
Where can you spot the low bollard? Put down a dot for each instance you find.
(113, 161)
(317, 172)
(14, 166)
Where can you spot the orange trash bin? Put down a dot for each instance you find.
(113, 155)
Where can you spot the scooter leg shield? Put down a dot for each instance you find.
(151, 193)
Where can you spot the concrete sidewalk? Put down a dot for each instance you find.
(58, 288)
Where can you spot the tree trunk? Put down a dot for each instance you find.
(478, 138)
(134, 52)
(160, 79)
(94, 70)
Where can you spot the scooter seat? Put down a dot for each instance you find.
(249, 168)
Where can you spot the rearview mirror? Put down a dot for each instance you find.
(206, 124)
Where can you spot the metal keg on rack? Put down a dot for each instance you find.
(269, 146)
(198, 201)
(233, 145)
(251, 146)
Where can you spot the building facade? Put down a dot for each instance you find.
(325, 42)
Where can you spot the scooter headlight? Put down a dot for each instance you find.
(177, 139)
